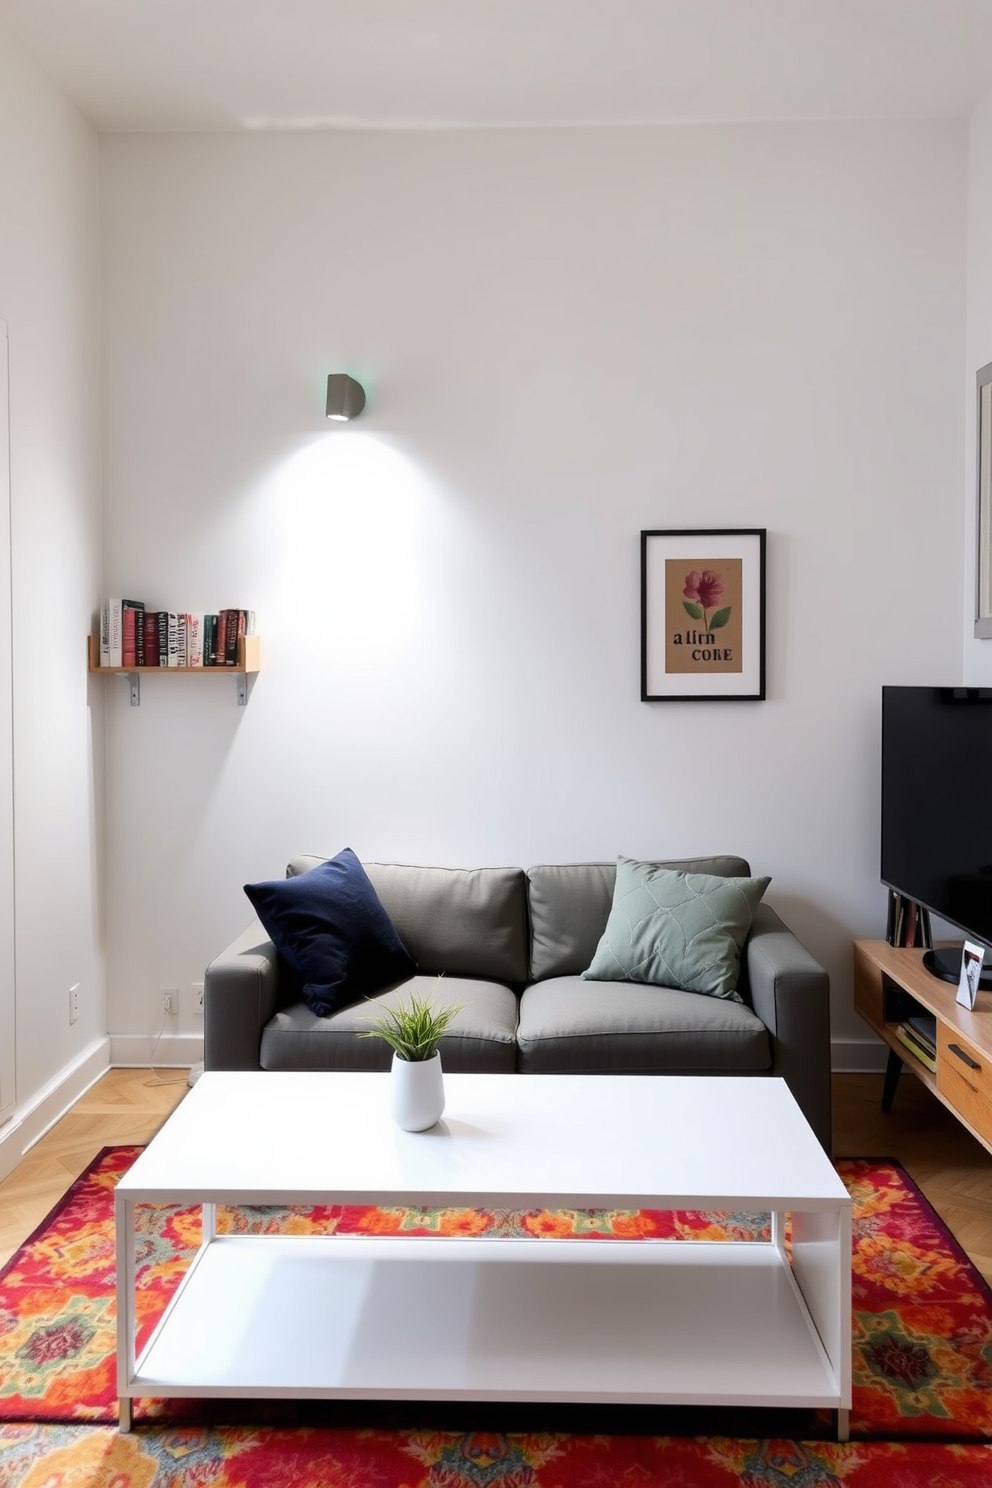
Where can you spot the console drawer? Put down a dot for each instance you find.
(964, 1077)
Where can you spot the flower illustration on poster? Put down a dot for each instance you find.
(702, 596)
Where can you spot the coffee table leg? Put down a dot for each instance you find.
(126, 1268)
(843, 1425)
(821, 1265)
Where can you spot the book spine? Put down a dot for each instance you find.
(115, 646)
(173, 636)
(924, 1027)
(906, 1036)
(139, 633)
(194, 640)
(127, 636)
(223, 626)
(180, 638)
(234, 628)
(150, 633)
(210, 640)
(132, 632)
(105, 634)
(162, 626)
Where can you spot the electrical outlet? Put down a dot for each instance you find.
(197, 989)
(74, 1002)
(170, 1000)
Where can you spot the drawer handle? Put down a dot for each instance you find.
(971, 1063)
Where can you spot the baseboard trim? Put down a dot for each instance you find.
(172, 1050)
(29, 1123)
(858, 1056)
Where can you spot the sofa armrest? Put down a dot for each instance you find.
(790, 992)
(239, 997)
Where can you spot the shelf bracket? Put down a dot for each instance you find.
(134, 683)
(242, 681)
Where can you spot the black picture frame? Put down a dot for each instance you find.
(703, 614)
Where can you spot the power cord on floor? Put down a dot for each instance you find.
(159, 1079)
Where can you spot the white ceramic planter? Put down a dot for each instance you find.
(416, 1092)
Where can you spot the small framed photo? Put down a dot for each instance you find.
(972, 957)
(703, 615)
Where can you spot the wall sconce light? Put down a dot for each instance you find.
(345, 396)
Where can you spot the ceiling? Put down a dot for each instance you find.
(314, 64)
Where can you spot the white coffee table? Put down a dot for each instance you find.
(430, 1318)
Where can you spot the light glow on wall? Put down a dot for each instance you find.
(358, 528)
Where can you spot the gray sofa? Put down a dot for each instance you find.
(511, 946)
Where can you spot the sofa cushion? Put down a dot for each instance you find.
(569, 1025)
(461, 921)
(330, 928)
(570, 904)
(481, 1037)
(676, 929)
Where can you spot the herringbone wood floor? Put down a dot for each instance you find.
(125, 1106)
(128, 1106)
(952, 1169)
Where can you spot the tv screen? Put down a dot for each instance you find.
(937, 803)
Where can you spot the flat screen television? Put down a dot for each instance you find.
(937, 808)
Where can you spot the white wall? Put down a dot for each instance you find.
(49, 296)
(977, 653)
(566, 337)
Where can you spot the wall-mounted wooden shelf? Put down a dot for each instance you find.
(247, 665)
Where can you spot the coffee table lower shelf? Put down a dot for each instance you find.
(613, 1322)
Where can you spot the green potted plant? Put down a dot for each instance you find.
(413, 1030)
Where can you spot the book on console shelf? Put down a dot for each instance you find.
(906, 1034)
(924, 1026)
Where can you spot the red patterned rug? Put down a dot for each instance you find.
(922, 1410)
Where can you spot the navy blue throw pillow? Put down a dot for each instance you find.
(329, 926)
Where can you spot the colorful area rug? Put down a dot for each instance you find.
(922, 1411)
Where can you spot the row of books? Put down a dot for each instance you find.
(131, 635)
(919, 1034)
(908, 922)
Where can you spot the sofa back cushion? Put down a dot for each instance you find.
(570, 903)
(468, 922)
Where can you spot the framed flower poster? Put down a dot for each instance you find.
(703, 615)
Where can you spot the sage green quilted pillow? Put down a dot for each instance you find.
(674, 929)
